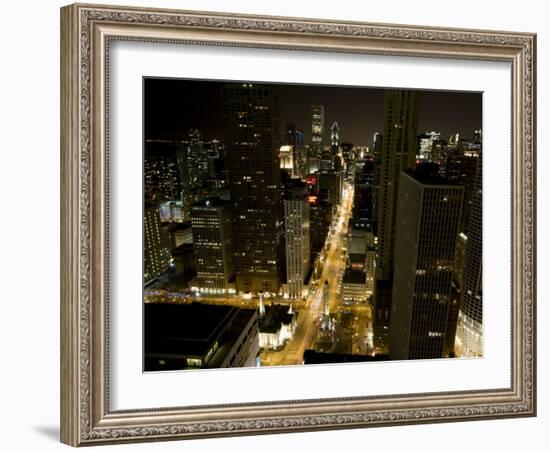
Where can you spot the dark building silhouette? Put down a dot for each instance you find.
(427, 224)
(199, 336)
(398, 154)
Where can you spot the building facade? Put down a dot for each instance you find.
(469, 333)
(212, 244)
(397, 154)
(297, 229)
(427, 226)
(251, 127)
(156, 255)
(317, 130)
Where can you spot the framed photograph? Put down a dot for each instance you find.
(337, 219)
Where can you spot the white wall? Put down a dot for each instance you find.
(29, 250)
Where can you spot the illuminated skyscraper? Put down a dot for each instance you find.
(427, 224)
(469, 332)
(296, 238)
(335, 136)
(212, 234)
(363, 196)
(317, 129)
(197, 160)
(250, 115)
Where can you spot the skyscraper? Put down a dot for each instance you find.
(212, 233)
(156, 253)
(297, 230)
(469, 333)
(250, 115)
(398, 154)
(335, 136)
(363, 196)
(427, 224)
(197, 160)
(317, 129)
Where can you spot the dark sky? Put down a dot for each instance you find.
(173, 106)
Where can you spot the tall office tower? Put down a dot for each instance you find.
(197, 160)
(317, 129)
(427, 224)
(297, 229)
(398, 154)
(335, 137)
(251, 126)
(363, 196)
(212, 245)
(156, 254)
(469, 333)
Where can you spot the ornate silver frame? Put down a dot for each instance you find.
(86, 31)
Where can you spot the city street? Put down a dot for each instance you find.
(309, 318)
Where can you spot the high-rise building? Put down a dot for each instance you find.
(156, 255)
(398, 154)
(197, 160)
(363, 194)
(297, 229)
(317, 130)
(427, 226)
(335, 137)
(212, 244)
(251, 125)
(469, 333)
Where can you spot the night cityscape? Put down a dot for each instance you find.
(297, 224)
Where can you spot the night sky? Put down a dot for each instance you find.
(173, 106)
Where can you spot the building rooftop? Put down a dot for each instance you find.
(352, 276)
(182, 330)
